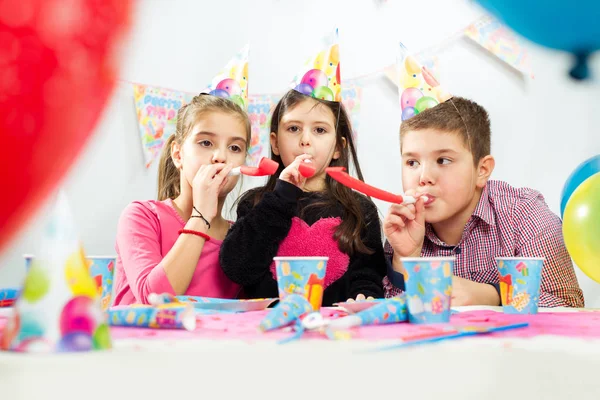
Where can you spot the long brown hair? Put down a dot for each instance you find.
(187, 116)
(348, 232)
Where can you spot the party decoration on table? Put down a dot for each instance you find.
(586, 169)
(265, 167)
(340, 175)
(555, 24)
(418, 88)
(156, 110)
(232, 82)
(227, 305)
(304, 276)
(59, 306)
(8, 296)
(58, 74)
(428, 283)
(173, 315)
(320, 76)
(581, 227)
(520, 279)
(438, 334)
(289, 309)
(387, 311)
(496, 38)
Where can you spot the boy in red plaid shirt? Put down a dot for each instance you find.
(460, 212)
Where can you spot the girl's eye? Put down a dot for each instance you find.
(444, 161)
(412, 163)
(235, 148)
(294, 129)
(205, 143)
(321, 131)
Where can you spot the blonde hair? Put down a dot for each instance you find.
(187, 117)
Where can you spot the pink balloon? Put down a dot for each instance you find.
(315, 78)
(77, 316)
(230, 86)
(409, 97)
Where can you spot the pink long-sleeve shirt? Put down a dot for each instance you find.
(147, 231)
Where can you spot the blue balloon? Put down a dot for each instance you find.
(304, 88)
(219, 93)
(407, 113)
(556, 24)
(582, 172)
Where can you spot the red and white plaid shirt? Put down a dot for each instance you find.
(508, 222)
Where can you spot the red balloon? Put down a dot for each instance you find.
(58, 66)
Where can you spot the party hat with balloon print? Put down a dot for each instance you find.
(232, 81)
(418, 88)
(320, 76)
(58, 309)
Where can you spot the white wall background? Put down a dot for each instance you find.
(542, 128)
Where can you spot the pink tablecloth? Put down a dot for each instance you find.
(244, 327)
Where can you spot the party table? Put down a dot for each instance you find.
(225, 359)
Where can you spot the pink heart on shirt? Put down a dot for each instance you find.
(315, 241)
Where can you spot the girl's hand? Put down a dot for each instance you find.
(207, 183)
(292, 175)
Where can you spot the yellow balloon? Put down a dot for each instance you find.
(581, 226)
(319, 61)
(412, 65)
(334, 55)
(408, 80)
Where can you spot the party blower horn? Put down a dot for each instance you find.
(287, 311)
(266, 166)
(340, 175)
(388, 311)
(59, 307)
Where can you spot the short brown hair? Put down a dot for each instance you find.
(456, 115)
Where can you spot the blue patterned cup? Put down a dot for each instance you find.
(302, 275)
(428, 288)
(520, 279)
(102, 270)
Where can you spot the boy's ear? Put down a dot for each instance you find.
(485, 167)
(273, 140)
(338, 152)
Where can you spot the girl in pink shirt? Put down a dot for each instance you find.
(172, 245)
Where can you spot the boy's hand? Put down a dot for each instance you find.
(469, 293)
(404, 227)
